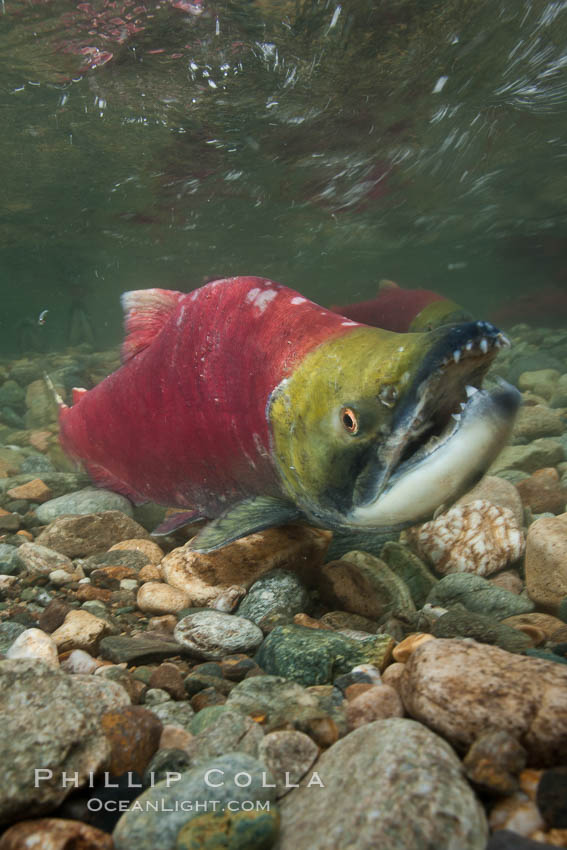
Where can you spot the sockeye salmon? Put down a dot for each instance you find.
(250, 406)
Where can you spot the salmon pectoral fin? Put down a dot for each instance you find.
(175, 521)
(244, 518)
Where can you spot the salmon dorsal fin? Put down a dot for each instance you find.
(145, 313)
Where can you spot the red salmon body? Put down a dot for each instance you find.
(183, 421)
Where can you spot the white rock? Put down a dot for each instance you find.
(7, 581)
(34, 643)
(155, 597)
(79, 661)
(80, 630)
(60, 577)
(212, 635)
(477, 537)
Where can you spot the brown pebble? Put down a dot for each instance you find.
(206, 698)
(33, 491)
(357, 688)
(88, 593)
(551, 838)
(543, 491)
(537, 636)
(310, 622)
(236, 667)
(150, 572)
(393, 674)
(404, 649)
(495, 760)
(55, 834)
(560, 635)
(175, 738)
(164, 623)
(110, 577)
(529, 780)
(508, 580)
(9, 521)
(168, 678)
(134, 734)
(323, 730)
(376, 703)
(53, 616)
(151, 550)
(546, 623)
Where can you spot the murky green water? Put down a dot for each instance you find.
(324, 145)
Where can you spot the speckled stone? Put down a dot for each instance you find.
(49, 718)
(479, 595)
(91, 500)
(273, 701)
(279, 591)
(442, 682)
(535, 455)
(213, 634)
(315, 657)
(546, 562)
(289, 755)
(9, 631)
(429, 805)
(376, 702)
(240, 830)
(458, 622)
(35, 559)
(495, 760)
(55, 834)
(230, 732)
(145, 829)
(80, 536)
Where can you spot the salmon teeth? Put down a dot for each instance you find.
(456, 355)
(484, 345)
(470, 390)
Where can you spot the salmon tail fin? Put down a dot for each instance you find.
(145, 313)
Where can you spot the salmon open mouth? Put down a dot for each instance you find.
(445, 433)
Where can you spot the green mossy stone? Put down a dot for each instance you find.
(419, 580)
(478, 595)
(546, 655)
(205, 717)
(458, 622)
(256, 830)
(316, 657)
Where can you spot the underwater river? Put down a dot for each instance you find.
(324, 145)
(283, 580)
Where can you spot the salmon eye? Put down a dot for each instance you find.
(349, 420)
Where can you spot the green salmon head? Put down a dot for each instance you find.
(376, 429)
